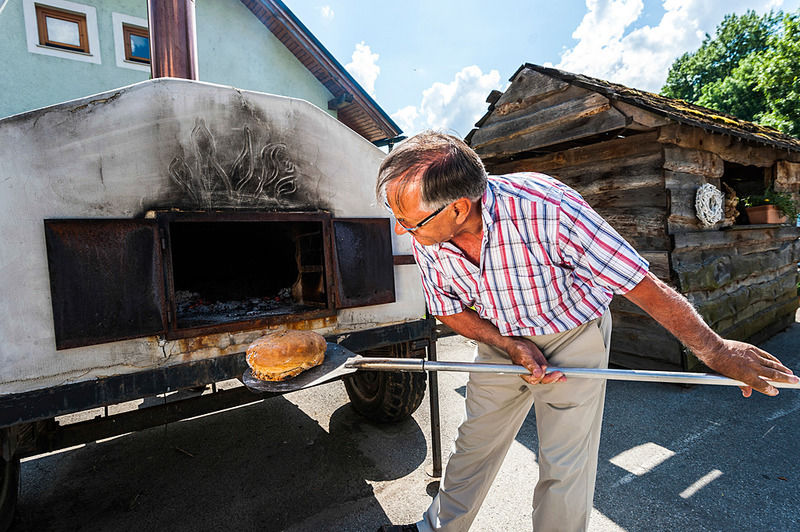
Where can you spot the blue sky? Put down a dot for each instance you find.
(431, 64)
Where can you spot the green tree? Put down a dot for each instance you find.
(750, 69)
(736, 37)
(779, 79)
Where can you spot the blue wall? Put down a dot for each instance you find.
(234, 48)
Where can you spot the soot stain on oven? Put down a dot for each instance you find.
(235, 160)
(241, 168)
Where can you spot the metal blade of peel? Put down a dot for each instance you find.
(332, 368)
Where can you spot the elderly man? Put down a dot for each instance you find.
(522, 265)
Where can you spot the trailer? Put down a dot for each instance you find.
(151, 233)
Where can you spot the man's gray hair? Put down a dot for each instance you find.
(448, 169)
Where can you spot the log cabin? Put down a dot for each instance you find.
(639, 159)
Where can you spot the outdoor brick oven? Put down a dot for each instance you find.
(151, 233)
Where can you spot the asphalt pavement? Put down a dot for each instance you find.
(671, 458)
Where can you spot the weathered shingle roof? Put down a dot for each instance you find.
(363, 115)
(674, 109)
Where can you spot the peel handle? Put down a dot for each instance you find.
(676, 377)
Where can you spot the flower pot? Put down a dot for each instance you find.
(765, 214)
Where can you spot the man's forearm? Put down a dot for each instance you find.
(676, 314)
(520, 350)
(469, 324)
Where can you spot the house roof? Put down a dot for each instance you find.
(674, 109)
(358, 110)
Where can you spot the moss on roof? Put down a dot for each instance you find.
(675, 109)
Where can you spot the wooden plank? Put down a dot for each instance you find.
(536, 105)
(739, 236)
(585, 155)
(583, 122)
(527, 88)
(644, 167)
(637, 361)
(682, 189)
(639, 342)
(759, 314)
(702, 270)
(691, 161)
(640, 116)
(772, 322)
(729, 148)
(643, 227)
(659, 263)
(624, 185)
(503, 130)
(612, 197)
(787, 178)
(493, 97)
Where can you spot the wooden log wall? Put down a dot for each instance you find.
(787, 179)
(686, 170)
(538, 110)
(743, 280)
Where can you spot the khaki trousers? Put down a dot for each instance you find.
(568, 420)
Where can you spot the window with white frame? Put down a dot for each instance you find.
(62, 29)
(131, 42)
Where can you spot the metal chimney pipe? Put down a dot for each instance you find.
(173, 38)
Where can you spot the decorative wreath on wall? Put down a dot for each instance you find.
(710, 204)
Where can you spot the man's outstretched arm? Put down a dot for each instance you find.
(737, 360)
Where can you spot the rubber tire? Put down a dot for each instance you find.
(9, 489)
(386, 396)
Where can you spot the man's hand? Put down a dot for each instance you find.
(525, 353)
(749, 364)
(737, 360)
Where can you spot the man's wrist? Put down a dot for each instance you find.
(506, 343)
(706, 348)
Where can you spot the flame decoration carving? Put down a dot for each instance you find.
(253, 179)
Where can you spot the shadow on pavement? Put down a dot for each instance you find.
(262, 467)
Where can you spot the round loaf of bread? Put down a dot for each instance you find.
(283, 354)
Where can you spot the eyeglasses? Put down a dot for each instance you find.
(425, 220)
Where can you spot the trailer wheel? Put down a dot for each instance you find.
(386, 396)
(9, 488)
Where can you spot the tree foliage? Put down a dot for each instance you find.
(750, 69)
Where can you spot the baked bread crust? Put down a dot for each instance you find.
(284, 354)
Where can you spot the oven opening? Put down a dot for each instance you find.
(235, 271)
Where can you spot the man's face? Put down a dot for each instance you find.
(404, 200)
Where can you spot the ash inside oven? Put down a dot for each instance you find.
(194, 311)
(226, 272)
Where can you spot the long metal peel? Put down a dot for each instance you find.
(339, 362)
(393, 364)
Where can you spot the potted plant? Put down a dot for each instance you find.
(770, 207)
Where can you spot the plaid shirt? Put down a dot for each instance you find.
(549, 263)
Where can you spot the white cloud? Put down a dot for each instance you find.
(364, 67)
(406, 117)
(453, 107)
(610, 47)
(326, 12)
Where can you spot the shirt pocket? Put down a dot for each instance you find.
(535, 284)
